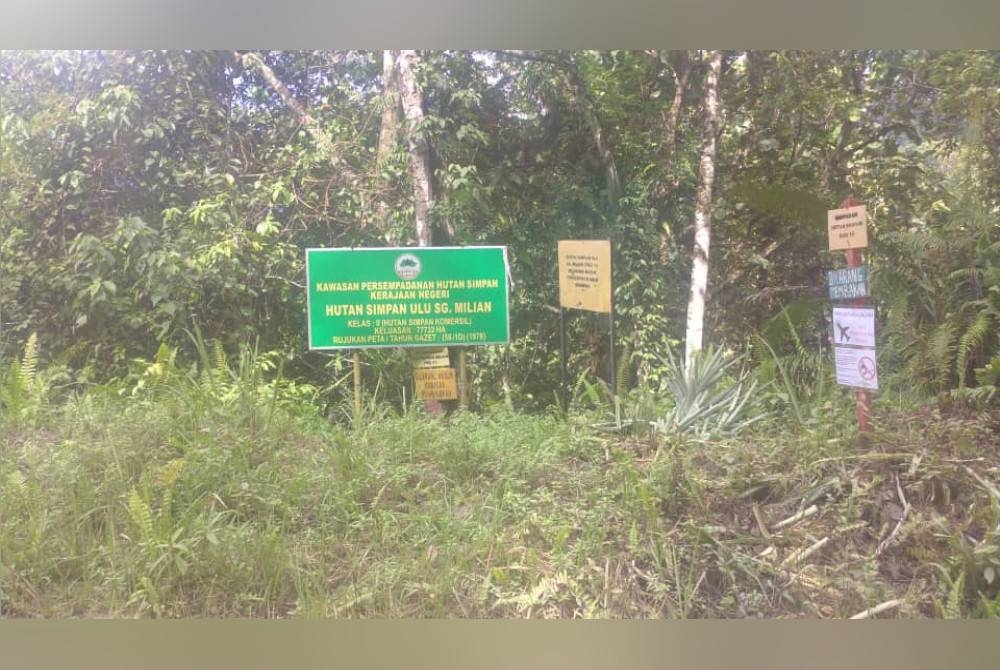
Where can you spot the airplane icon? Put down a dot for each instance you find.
(844, 337)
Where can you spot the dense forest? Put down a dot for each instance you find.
(155, 208)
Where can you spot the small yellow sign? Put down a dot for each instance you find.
(435, 384)
(585, 275)
(429, 358)
(848, 228)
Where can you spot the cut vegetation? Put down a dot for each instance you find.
(219, 493)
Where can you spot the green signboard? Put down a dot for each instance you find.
(407, 297)
(848, 283)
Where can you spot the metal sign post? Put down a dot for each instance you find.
(563, 391)
(585, 282)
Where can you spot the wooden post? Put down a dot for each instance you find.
(434, 407)
(463, 395)
(862, 397)
(563, 395)
(611, 337)
(357, 387)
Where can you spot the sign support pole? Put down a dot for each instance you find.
(862, 397)
(562, 360)
(585, 282)
(357, 386)
(611, 336)
(463, 384)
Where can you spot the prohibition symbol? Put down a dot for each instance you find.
(866, 368)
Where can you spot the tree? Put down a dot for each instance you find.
(388, 130)
(145, 192)
(302, 115)
(703, 212)
(419, 150)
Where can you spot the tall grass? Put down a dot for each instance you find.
(222, 489)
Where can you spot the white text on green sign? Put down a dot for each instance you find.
(407, 297)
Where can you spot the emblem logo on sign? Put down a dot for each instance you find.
(407, 266)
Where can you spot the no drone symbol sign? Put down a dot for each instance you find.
(856, 367)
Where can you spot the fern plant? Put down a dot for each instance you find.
(943, 294)
(163, 544)
(22, 389)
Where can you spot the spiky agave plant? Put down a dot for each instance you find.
(706, 403)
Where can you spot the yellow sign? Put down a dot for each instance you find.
(585, 275)
(848, 228)
(435, 384)
(429, 358)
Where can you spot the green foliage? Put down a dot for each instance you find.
(983, 326)
(162, 496)
(972, 576)
(25, 390)
(160, 201)
(151, 191)
(19, 379)
(705, 402)
(944, 294)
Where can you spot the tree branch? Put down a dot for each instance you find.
(574, 80)
(252, 60)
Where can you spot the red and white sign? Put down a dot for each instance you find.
(854, 326)
(856, 367)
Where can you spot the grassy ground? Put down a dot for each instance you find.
(212, 498)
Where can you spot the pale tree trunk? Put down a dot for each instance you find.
(703, 213)
(390, 110)
(388, 132)
(420, 164)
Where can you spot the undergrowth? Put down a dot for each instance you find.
(223, 490)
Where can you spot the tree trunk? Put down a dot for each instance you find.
(420, 161)
(671, 121)
(388, 132)
(681, 76)
(612, 178)
(390, 109)
(832, 168)
(420, 164)
(703, 213)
